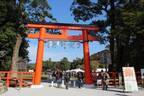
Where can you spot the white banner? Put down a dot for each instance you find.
(130, 79)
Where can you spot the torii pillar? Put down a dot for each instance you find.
(88, 75)
(39, 58)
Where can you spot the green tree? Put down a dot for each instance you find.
(7, 33)
(30, 66)
(89, 10)
(48, 64)
(13, 15)
(77, 63)
(123, 18)
(129, 41)
(64, 64)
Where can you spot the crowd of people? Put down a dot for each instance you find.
(76, 79)
(69, 78)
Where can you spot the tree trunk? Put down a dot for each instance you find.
(15, 57)
(119, 54)
(112, 47)
(112, 42)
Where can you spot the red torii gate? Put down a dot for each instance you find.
(63, 27)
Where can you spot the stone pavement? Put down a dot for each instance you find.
(52, 91)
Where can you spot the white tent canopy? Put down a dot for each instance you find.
(77, 70)
(68, 70)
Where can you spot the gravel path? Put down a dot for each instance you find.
(52, 91)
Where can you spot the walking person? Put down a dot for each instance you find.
(100, 76)
(66, 79)
(58, 77)
(52, 78)
(80, 79)
(105, 80)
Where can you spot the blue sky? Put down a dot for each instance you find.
(61, 11)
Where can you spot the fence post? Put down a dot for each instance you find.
(33, 74)
(20, 83)
(115, 79)
(8, 79)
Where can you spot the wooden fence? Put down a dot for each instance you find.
(114, 78)
(21, 77)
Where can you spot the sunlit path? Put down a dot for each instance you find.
(52, 91)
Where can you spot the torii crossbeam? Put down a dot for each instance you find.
(64, 36)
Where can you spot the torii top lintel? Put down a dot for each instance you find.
(63, 27)
(66, 26)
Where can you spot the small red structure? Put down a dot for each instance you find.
(22, 76)
(64, 28)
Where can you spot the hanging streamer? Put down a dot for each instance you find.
(63, 44)
(48, 44)
(58, 43)
(51, 43)
(71, 44)
(78, 44)
(54, 44)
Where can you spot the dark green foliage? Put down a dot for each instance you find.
(136, 26)
(38, 10)
(48, 64)
(13, 15)
(7, 33)
(125, 19)
(77, 63)
(64, 64)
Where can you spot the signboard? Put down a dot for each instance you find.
(142, 73)
(130, 79)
